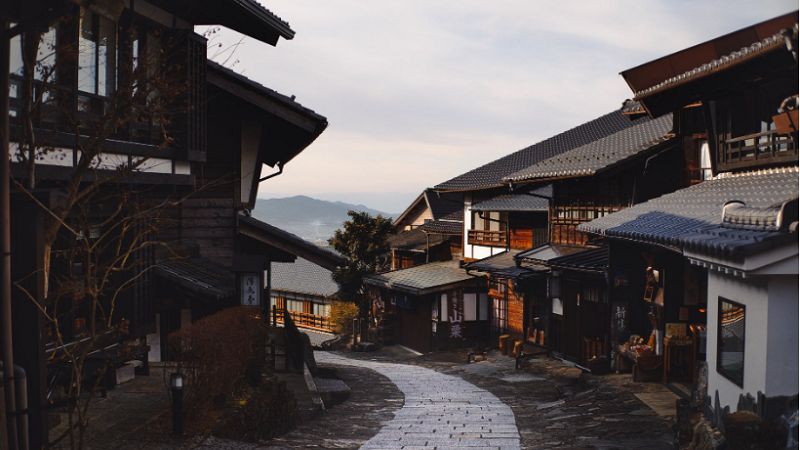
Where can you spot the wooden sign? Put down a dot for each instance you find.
(676, 329)
(619, 316)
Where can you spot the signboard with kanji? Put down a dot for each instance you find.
(251, 289)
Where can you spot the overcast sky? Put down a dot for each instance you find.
(417, 92)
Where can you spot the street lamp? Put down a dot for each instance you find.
(176, 382)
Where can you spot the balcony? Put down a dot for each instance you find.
(487, 238)
(306, 320)
(757, 149)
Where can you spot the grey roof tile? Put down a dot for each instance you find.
(682, 217)
(275, 95)
(504, 265)
(591, 260)
(423, 279)
(198, 275)
(443, 204)
(414, 240)
(492, 174)
(545, 253)
(513, 202)
(304, 277)
(447, 227)
(601, 154)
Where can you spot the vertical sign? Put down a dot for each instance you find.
(619, 316)
(251, 289)
(455, 314)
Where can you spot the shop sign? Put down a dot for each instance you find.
(455, 314)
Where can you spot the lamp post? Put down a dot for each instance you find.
(176, 382)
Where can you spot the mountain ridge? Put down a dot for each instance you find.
(309, 218)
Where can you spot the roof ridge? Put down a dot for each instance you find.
(757, 172)
(719, 63)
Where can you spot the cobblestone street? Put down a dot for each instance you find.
(545, 404)
(400, 400)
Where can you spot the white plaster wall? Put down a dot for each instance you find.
(753, 294)
(783, 335)
(154, 341)
(417, 216)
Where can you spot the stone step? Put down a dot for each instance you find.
(332, 391)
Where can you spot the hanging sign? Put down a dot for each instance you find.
(251, 289)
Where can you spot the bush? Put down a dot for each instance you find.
(263, 413)
(216, 351)
(342, 315)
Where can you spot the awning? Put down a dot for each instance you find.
(504, 265)
(287, 242)
(544, 253)
(199, 276)
(591, 260)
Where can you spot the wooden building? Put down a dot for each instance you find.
(723, 258)
(496, 222)
(430, 307)
(305, 290)
(222, 129)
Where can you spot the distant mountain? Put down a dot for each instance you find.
(309, 218)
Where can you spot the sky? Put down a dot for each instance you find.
(417, 92)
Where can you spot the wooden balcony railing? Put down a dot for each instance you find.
(488, 238)
(756, 149)
(306, 320)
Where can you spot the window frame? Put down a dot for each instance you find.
(739, 381)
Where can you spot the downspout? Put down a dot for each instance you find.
(280, 171)
(5, 244)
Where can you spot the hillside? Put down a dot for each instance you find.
(309, 218)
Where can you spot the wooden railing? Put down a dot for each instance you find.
(756, 149)
(489, 238)
(306, 320)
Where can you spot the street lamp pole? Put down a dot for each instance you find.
(176, 381)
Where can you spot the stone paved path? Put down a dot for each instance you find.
(440, 411)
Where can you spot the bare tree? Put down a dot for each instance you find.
(99, 236)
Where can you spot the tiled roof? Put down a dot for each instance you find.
(674, 218)
(288, 242)
(504, 265)
(443, 204)
(603, 153)
(513, 202)
(414, 240)
(492, 174)
(286, 100)
(444, 226)
(303, 276)
(424, 279)
(745, 230)
(632, 107)
(773, 42)
(592, 260)
(544, 253)
(198, 275)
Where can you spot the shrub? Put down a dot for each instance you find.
(216, 351)
(342, 315)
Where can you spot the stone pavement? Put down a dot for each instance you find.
(430, 401)
(440, 411)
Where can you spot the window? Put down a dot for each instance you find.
(705, 161)
(730, 341)
(97, 55)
